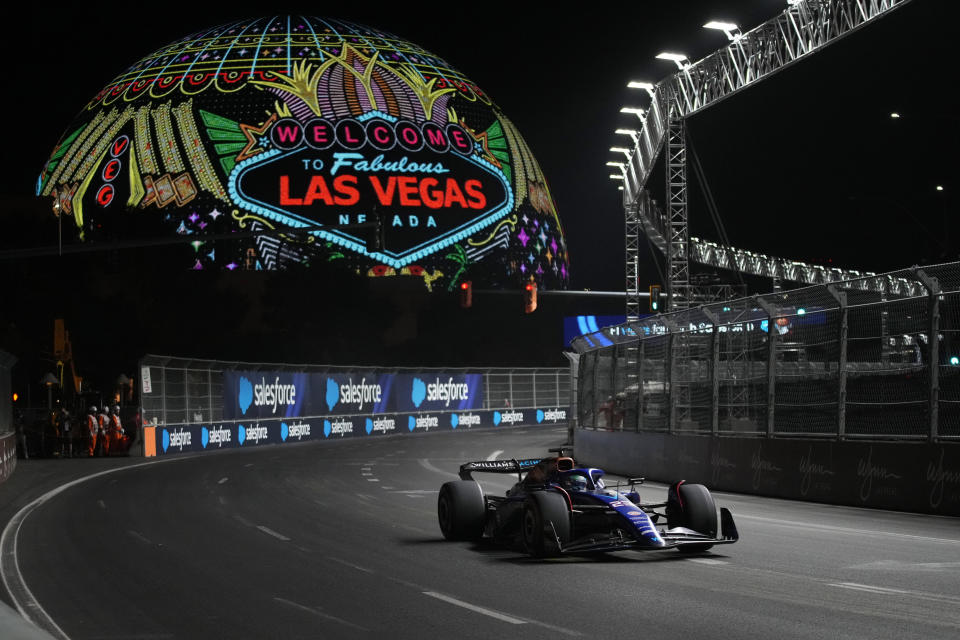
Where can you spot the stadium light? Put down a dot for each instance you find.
(939, 187)
(646, 86)
(727, 27)
(637, 111)
(634, 135)
(622, 150)
(616, 176)
(894, 115)
(618, 165)
(678, 58)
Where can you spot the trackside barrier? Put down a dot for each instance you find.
(184, 438)
(907, 476)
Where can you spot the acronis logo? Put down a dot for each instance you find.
(244, 394)
(418, 392)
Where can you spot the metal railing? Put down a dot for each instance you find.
(186, 391)
(853, 359)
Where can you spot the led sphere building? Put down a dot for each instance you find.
(289, 140)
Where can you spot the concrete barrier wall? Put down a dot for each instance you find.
(904, 476)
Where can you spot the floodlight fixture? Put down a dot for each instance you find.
(894, 115)
(618, 165)
(939, 187)
(616, 176)
(730, 29)
(646, 86)
(678, 58)
(634, 135)
(622, 150)
(637, 111)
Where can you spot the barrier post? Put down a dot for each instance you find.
(933, 341)
(714, 371)
(771, 363)
(841, 298)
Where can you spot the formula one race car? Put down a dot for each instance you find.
(558, 508)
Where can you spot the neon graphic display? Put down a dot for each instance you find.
(321, 140)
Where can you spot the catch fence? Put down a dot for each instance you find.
(876, 357)
(181, 391)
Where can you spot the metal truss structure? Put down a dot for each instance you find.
(804, 28)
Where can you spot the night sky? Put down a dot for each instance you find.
(807, 165)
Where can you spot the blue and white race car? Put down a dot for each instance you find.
(559, 508)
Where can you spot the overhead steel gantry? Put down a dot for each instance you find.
(804, 28)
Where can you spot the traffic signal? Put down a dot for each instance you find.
(654, 298)
(530, 297)
(466, 294)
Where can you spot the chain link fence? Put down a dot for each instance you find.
(876, 357)
(182, 391)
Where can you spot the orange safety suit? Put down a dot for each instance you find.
(118, 440)
(92, 430)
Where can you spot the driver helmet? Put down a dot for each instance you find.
(93, 409)
(116, 409)
(576, 482)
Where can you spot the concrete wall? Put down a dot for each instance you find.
(904, 476)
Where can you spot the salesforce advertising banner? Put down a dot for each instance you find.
(275, 394)
(439, 392)
(265, 394)
(233, 435)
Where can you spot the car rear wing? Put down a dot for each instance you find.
(497, 466)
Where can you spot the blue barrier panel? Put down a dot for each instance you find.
(174, 439)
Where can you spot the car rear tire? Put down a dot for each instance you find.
(461, 510)
(542, 509)
(691, 506)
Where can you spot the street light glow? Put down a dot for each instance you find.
(678, 58)
(939, 187)
(894, 115)
(727, 27)
(646, 86)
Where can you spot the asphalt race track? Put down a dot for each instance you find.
(340, 540)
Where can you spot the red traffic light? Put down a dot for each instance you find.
(530, 297)
(466, 294)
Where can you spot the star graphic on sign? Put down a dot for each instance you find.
(215, 214)
(254, 136)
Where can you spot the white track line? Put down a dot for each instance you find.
(808, 526)
(321, 614)
(271, 532)
(472, 607)
(13, 580)
(423, 462)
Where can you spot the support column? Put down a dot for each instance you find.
(678, 242)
